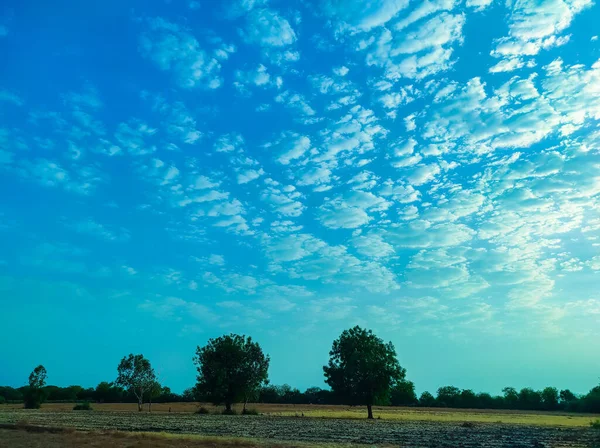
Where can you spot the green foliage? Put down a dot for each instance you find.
(595, 424)
(2, 399)
(362, 369)
(550, 398)
(403, 394)
(250, 411)
(108, 393)
(448, 396)
(202, 410)
(37, 378)
(35, 394)
(231, 369)
(426, 400)
(136, 375)
(85, 406)
(33, 398)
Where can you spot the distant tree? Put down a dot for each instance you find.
(567, 396)
(403, 394)
(154, 391)
(362, 368)
(550, 398)
(231, 369)
(591, 402)
(511, 398)
(530, 399)
(34, 395)
(108, 393)
(136, 375)
(485, 401)
(468, 399)
(448, 396)
(426, 400)
(37, 378)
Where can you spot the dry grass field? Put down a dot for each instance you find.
(122, 426)
(385, 413)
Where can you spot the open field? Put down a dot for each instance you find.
(272, 430)
(386, 413)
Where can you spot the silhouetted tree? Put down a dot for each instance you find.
(362, 369)
(468, 399)
(230, 369)
(136, 375)
(550, 398)
(426, 400)
(35, 394)
(530, 399)
(511, 398)
(403, 394)
(448, 396)
(108, 393)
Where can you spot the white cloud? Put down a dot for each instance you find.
(284, 200)
(535, 25)
(372, 245)
(350, 211)
(229, 142)
(295, 147)
(98, 230)
(356, 15)
(341, 71)
(249, 175)
(266, 27)
(418, 52)
(173, 48)
(259, 77)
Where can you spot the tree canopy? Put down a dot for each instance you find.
(362, 368)
(136, 375)
(35, 394)
(231, 369)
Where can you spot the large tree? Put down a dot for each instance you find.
(231, 369)
(136, 375)
(362, 368)
(35, 394)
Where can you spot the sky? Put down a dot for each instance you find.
(172, 171)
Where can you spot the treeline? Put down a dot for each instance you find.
(362, 370)
(548, 399)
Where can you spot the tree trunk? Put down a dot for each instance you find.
(140, 404)
(228, 407)
(370, 410)
(245, 401)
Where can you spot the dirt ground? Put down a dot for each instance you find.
(329, 411)
(313, 431)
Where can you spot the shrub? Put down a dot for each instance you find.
(468, 425)
(250, 412)
(33, 398)
(85, 406)
(229, 412)
(2, 399)
(202, 410)
(595, 424)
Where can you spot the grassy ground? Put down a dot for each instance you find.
(387, 413)
(35, 437)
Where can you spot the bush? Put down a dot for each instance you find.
(229, 412)
(250, 412)
(33, 398)
(2, 399)
(595, 424)
(85, 406)
(468, 425)
(202, 410)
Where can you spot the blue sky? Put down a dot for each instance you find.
(174, 170)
